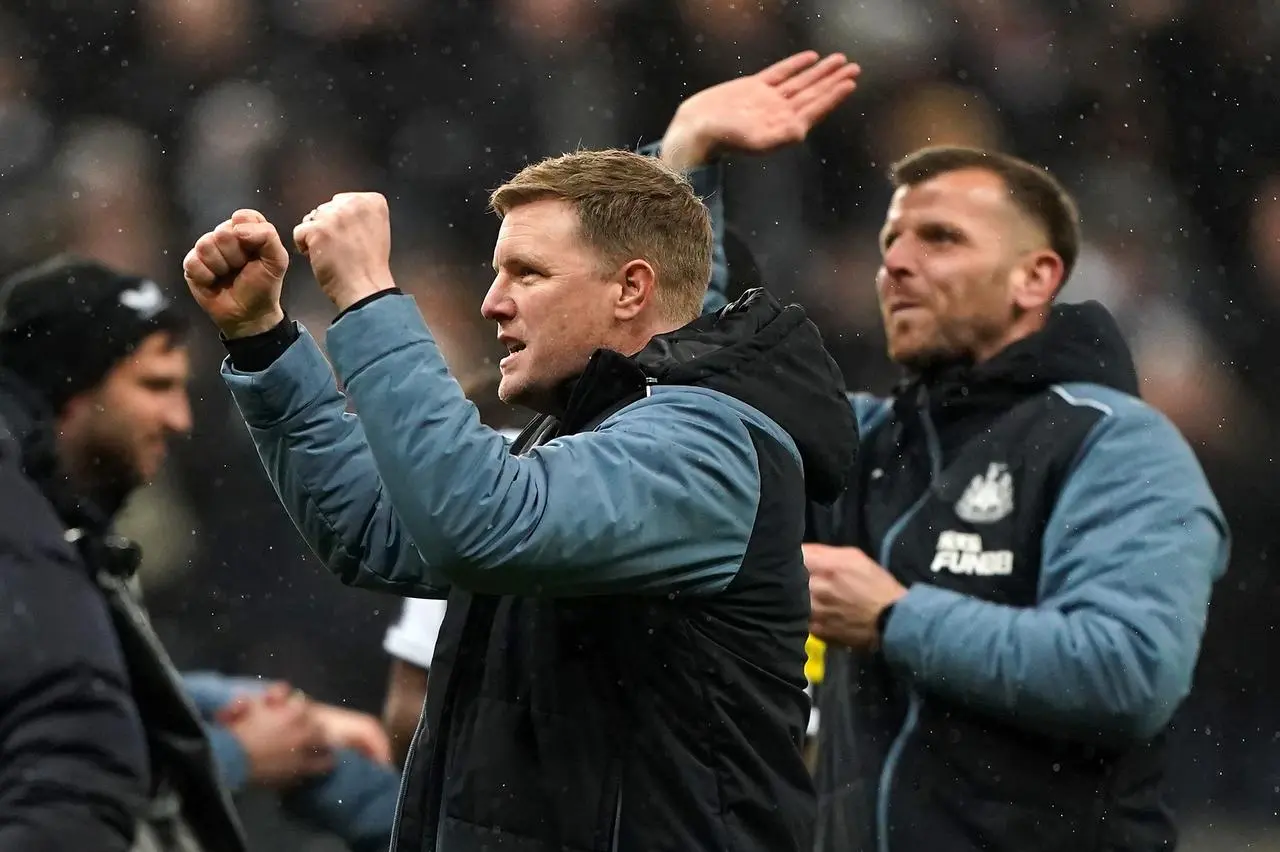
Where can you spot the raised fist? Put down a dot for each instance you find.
(235, 273)
(348, 241)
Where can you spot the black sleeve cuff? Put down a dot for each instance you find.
(882, 620)
(257, 352)
(393, 291)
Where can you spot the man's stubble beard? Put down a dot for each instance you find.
(108, 475)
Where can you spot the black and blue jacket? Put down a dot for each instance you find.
(1060, 543)
(621, 666)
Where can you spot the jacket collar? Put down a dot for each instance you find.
(1079, 343)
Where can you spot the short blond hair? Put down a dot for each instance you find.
(629, 207)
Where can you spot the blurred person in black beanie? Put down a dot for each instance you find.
(103, 744)
(67, 323)
(99, 747)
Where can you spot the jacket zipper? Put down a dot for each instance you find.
(888, 772)
(617, 822)
(404, 776)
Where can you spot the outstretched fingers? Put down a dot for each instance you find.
(816, 102)
(787, 68)
(834, 66)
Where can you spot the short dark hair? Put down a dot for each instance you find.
(1034, 190)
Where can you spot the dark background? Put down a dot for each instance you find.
(127, 129)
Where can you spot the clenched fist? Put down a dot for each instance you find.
(281, 734)
(847, 592)
(348, 241)
(235, 273)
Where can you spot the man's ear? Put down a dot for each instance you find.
(639, 288)
(74, 413)
(1038, 279)
(76, 407)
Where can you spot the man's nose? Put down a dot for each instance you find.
(899, 258)
(497, 304)
(178, 418)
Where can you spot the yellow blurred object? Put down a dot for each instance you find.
(815, 665)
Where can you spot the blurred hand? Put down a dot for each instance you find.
(761, 113)
(235, 273)
(345, 728)
(348, 241)
(281, 734)
(847, 591)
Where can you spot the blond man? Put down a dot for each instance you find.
(621, 666)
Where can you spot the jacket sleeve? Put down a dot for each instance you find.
(661, 498)
(870, 411)
(1129, 558)
(708, 184)
(356, 801)
(316, 456)
(210, 692)
(73, 755)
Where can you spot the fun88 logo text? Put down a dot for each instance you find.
(962, 553)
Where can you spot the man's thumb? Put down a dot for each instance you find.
(260, 240)
(245, 216)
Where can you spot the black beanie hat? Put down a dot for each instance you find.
(66, 322)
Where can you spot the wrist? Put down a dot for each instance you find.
(257, 352)
(255, 326)
(232, 758)
(886, 613)
(686, 146)
(882, 620)
(364, 290)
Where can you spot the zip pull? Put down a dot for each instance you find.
(649, 382)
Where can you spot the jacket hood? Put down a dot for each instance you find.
(761, 353)
(1079, 343)
(772, 358)
(26, 433)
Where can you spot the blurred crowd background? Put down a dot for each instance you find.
(129, 128)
